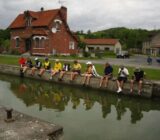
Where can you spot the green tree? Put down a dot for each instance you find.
(6, 44)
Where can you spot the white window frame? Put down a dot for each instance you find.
(71, 45)
(57, 24)
(41, 41)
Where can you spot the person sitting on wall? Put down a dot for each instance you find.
(138, 77)
(90, 72)
(22, 62)
(37, 66)
(122, 78)
(108, 70)
(76, 70)
(46, 67)
(56, 69)
(28, 65)
(66, 68)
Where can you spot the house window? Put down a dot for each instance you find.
(37, 41)
(106, 49)
(42, 42)
(97, 48)
(71, 45)
(91, 48)
(57, 24)
(17, 42)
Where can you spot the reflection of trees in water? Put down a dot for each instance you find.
(88, 102)
(75, 101)
(136, 113)
(120, 107)
(58, 96)
(106, 107)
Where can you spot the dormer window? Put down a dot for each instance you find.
(29, 21)
(28, 18)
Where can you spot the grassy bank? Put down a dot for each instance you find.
(151, 74)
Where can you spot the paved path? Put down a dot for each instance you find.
(136, 61)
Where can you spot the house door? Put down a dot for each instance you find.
(28, 44)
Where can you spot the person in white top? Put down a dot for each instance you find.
(90, 72)
(122, 77)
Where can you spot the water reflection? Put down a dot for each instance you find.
(58, 97)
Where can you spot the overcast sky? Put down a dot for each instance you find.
(91, 14)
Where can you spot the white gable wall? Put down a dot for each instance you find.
(115, 48)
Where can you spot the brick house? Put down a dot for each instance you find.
(103, 44)
(43, 33)
(152, 45)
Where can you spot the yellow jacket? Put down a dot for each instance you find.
(77, 66)
(47, 65)
(57, 66)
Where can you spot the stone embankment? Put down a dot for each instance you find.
(18, 126)
(150, 88)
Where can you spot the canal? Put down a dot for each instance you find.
(85, 114)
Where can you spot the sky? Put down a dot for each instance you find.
(91, 15)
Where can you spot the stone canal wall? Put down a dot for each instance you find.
(24, 127)
(150, 88)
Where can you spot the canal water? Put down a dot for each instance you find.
(85, 114)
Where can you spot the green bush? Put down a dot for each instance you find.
(99, 55)
(15, 52)
(109, 54)
(73, 55)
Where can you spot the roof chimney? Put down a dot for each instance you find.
(63, 12)
(42, 9)
(26, 14)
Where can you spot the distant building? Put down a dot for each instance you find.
(103, 45)
(152, 45)
(43, 33)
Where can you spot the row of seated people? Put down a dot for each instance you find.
(90, 72)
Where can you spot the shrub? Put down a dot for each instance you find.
(15, 52)
(73, 55)
(99, 55)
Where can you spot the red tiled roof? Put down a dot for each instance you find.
(101, 41)
(29, 33)
(41, 18)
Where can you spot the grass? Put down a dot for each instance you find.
(109, 54)
(151, 74)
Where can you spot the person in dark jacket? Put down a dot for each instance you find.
(37, 66)
(46, 67)
(28, 65)
(137, 77)
(65, 69)
(108, 70)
